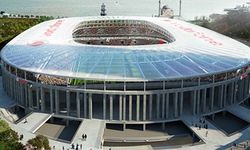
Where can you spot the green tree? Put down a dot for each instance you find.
(3, 126)
(9, 135)
(9, 139)
(40, 142)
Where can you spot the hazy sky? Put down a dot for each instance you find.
(190, 8)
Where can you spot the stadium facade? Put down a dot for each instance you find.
(125, 70)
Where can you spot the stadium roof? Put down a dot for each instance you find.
(49, 48)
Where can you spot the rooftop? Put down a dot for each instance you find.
(66, 48)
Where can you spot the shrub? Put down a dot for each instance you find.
(40, 142)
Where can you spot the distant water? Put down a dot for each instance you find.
(190, 8)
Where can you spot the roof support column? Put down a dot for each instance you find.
(18, 93)
(13, 89)
(130, 107)
(212, 98)
(111, 107)
(104, 106)
(78, 105)
(181, 102)
(10, 87)
(144, 106)
(167, 105)
(85, 104)
(150, 106)
(198, 101)
(144, 102)
(104, 101)
(158, 106)
(204, 99)
(248, 84)
(57, 101)
(221, 96)
(22, 94)
(176, 104)
(26, 95)
(137, 107)
(13, 86)
(37, 98)
(235, 91)
(7, 85)
(241, 89)
(246, 87)
(15, 92)
(85, 100)
(68, 102)
(225, 96)
(124, 107)
(51, 100)
(232, 93)
(163, 106)
(42, 100)
(20, 89)
(90, 105)
(194, 101)
(120, 107)
(30, 97)
(19, 96)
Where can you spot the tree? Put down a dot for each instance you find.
(9, 139)
(234, 24)
(9, 135)
(40, 142)
(3, 126)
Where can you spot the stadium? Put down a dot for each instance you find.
(129, 71)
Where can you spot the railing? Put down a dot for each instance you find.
(100, 133)
(143, 139)
(40, 123)
(21, 119)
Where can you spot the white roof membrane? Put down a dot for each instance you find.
(49, 48)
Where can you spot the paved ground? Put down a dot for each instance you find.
(51, 130)
(215, 138)
(94, 130)
(59, 129)
(34, 121)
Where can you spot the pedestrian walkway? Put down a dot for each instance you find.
(94, 130)
(144, 147)
(215, 139)
(34, 121)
